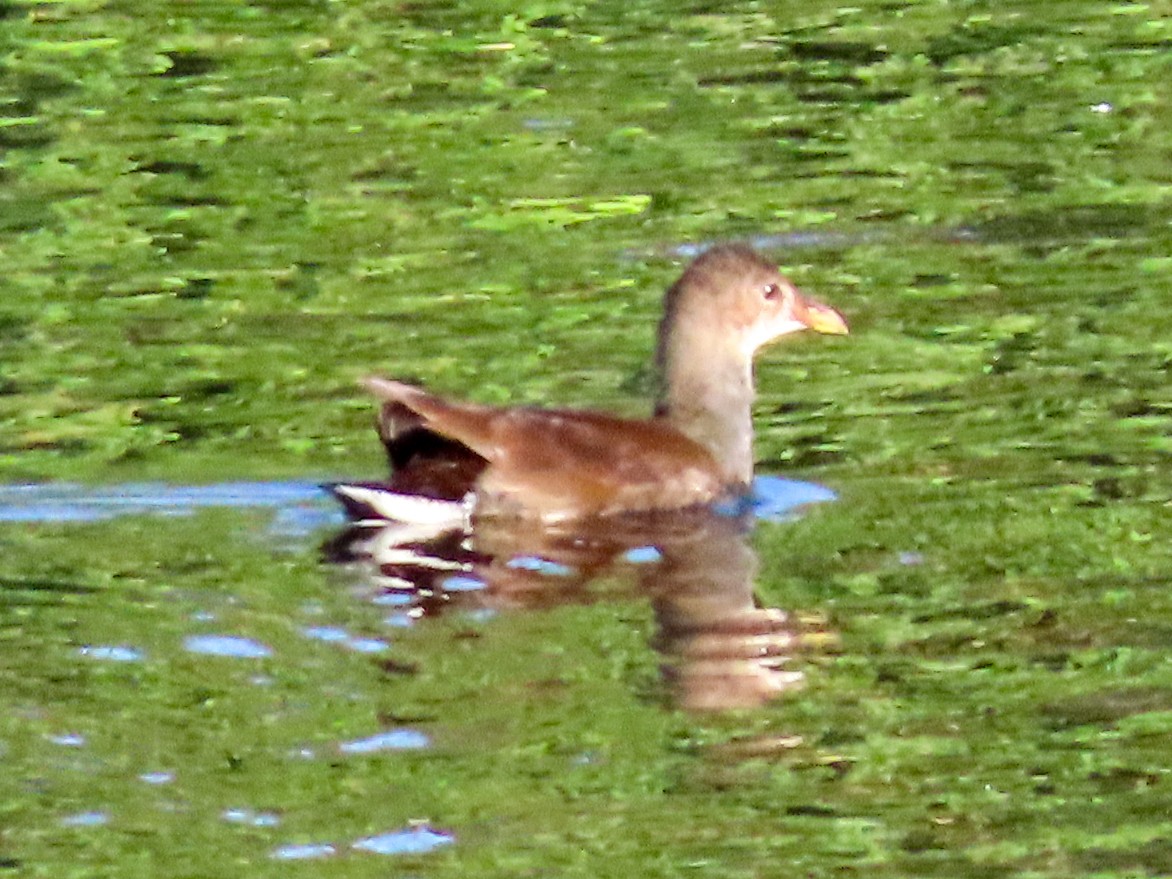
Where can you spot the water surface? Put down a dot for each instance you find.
(214, 218)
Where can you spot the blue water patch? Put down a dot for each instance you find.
(463, 583)
(304, 517)
(302, 507)
(339, 636)
(390, 740)
(157, 777)
(329, 634)
(251, 818)
(226, 645)
(539, 565)
(86, 819)
(777, 499)
(643, 555)
(413, 841)
(304, 851)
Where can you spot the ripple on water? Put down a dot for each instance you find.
(304, 851)
(111, 653)
(339, 636)
(776, 499)
(68, 740)
(226, 645)
(408, 841)
(394, 599)
(539, 565)
(643, 555)
(301, 507)
(390, 740)
(93, 818)
(251, 818)
(464, 583)
(411, 841)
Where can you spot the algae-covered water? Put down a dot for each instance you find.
(214, 217)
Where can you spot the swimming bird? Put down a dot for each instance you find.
(560, 464)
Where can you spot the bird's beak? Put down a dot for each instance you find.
(818, 317)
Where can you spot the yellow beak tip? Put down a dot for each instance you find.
(828, 321)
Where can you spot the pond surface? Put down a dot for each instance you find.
(214, 218)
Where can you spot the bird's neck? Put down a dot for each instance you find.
(706, 393)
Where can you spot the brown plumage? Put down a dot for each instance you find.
(563, 463)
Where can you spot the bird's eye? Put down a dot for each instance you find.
(771, 291)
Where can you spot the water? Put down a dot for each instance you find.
(214, 219)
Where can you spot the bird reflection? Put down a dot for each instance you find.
(721, 649)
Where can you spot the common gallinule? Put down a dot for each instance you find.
(556, 464)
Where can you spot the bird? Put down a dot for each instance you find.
(451, 458)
